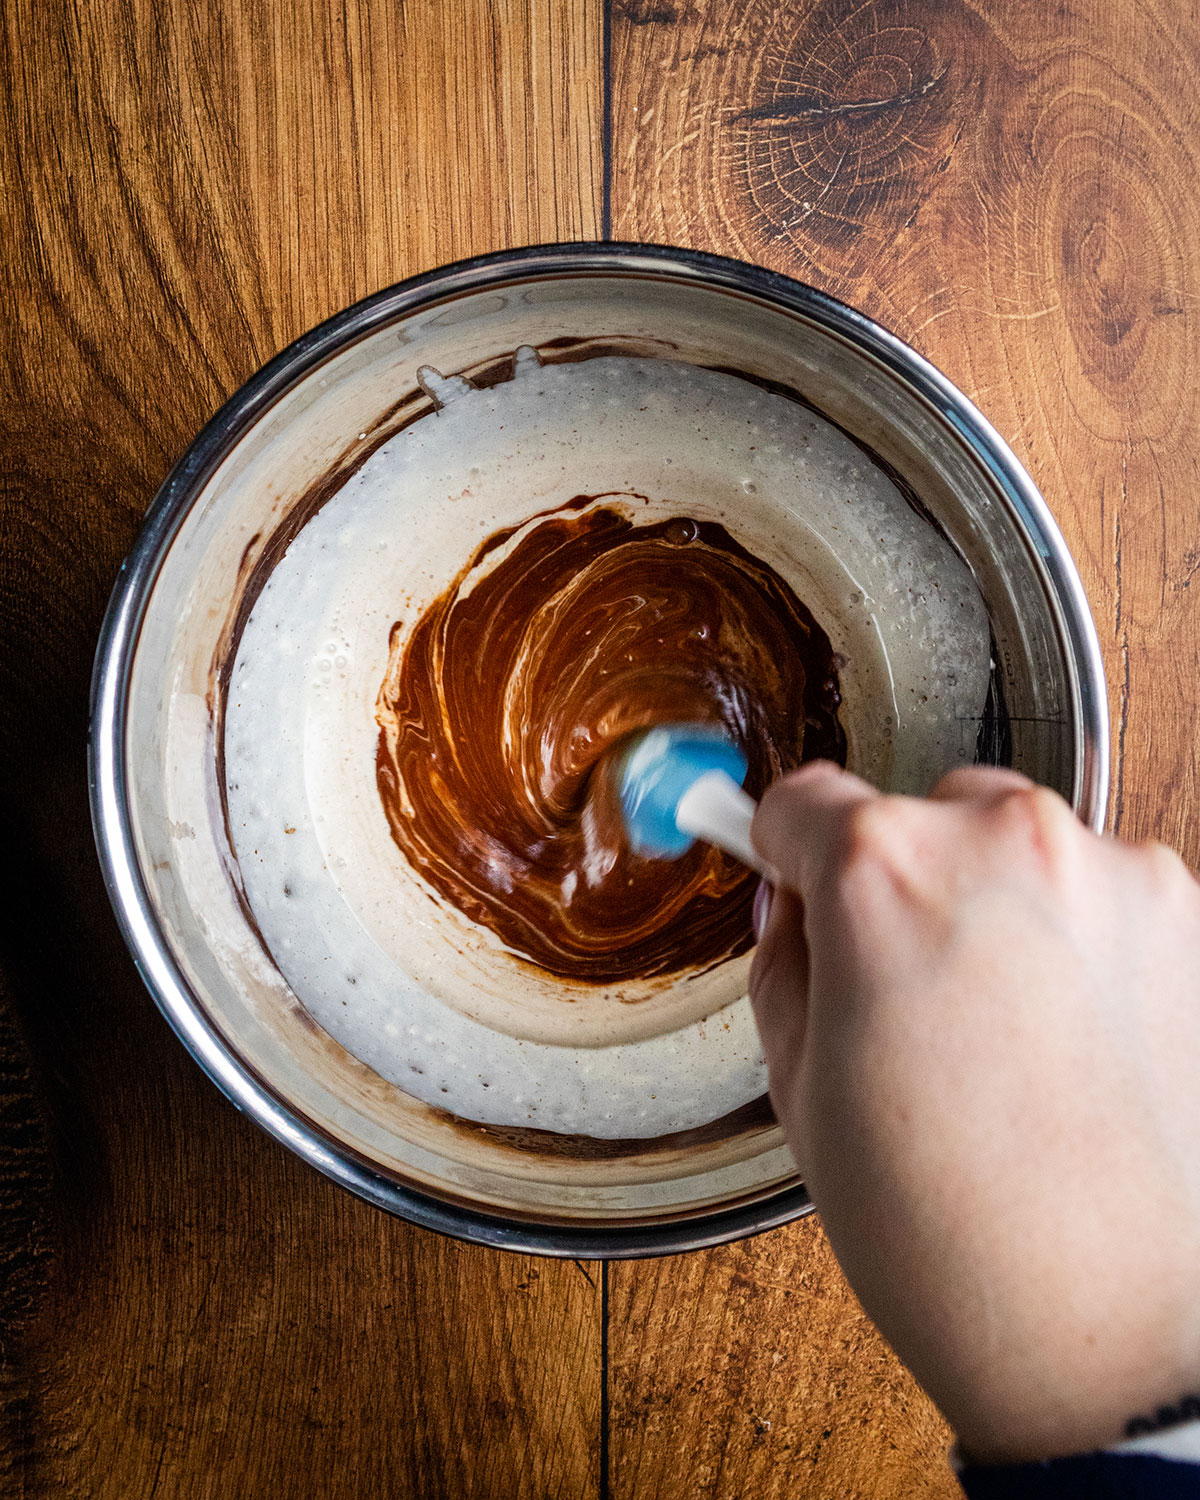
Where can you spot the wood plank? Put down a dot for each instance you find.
(751, 1370)
(1013, 188)
(189, 186)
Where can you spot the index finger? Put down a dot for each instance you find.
(801, 819)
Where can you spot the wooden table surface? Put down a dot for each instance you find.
(188, 185)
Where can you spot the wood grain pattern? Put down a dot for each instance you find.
(751, 1370)
(1013, 188)
(188, 187)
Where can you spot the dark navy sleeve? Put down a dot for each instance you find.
(1090, 1476)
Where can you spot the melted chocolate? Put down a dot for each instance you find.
(501, 708)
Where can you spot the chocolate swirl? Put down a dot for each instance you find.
(501, 707)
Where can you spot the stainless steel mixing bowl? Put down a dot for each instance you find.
(310, 417)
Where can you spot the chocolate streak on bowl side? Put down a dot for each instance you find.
(503, 707)
(261, 556)
(753, 1118)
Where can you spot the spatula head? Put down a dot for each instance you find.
(655, 770)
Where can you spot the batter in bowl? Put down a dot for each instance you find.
(434, 666)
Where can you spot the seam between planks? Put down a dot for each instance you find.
(606, 125)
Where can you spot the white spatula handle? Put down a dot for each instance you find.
(714, 808)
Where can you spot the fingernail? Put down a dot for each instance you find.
(762, 909)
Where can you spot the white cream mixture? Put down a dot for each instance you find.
(407, 984)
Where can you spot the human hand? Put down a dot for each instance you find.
(982, 1027)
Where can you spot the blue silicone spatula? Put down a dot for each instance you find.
(682, 782)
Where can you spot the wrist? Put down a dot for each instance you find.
(1059, 1430)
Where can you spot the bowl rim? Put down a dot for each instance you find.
(107, 774)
